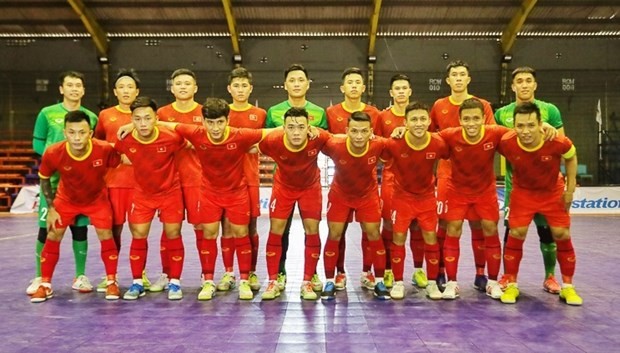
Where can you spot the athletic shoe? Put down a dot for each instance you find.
(281, 281)
(112, 292)
(451, 291)
(174, 292)
(160, 285)
(398, 290)
(227, 282)
(134, 292)
(503, 282)
(368, 280)
(145, 281)
(317, 285)
(42, 294)
(245, 292)
(441, 281)
(551, 285)
(307, 291)
(570, 296)
(493, 289)
(207, 291)
(480, 283)
(388, 278)
(103, 285)
(341, 281)
(254, 282)
(329, 292)
(510, 294)
(82, 284)
(419, 278)
(381, 291)
(432, 291)
(272, 291)
(34, 286)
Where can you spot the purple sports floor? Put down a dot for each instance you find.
(354, 322)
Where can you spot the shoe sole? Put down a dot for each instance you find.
(204, 299)
(82, 290)
(135, 298)
(551, 291)
(269, 298)
(175, 298)
(508, 302)
(156, 290)
(112, 297)
(570, 303)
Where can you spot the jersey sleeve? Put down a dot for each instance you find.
(269, 123)
(489, 118)
(555, 118)
(323, 123)
(39, 135)
(47, 168)
(99, 131)
(114, 158)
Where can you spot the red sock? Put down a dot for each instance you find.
(273, 253)
(398, 261)
(377, 251)
(228, 252)
(342, 245)
(477, 246)
(109, 255)
(431, 253)
(493, 252)
(366, 258)
(243, 248)
(330, 257)
(416, 243)
(163, 254)
(49, 259)
(441, 239)
(201, 249)
(387, 236)
(255, 242)
(312, 254)
(176, 253)
(566, 257)
(137, 256)
(210, 255)
(451, 253)
(199, 236)
(513, 252)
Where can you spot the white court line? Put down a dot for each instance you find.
(18, 236)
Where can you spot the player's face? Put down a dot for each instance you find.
(240, 89)
(353, 86)
(458, 79)
(524, 85)
(471, 120)
(359, 133)
(296, 130)
(77, 135)
(529, 129)
(418, 122)
(125, 90)
(296, 84)
(216, 127)
(184, 87)
(400, 91)
(72, 89)
(144, 120)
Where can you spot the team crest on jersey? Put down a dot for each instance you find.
(388, 122)
(231, 146)
(283, 158)
(339, 118)
(253, 117)
(113, 119)
(488, 146)
(372, 160)
(342, 161)
(203, 147)
(98, 163)
(431, 155)
(59, 121)
(161, 149)
(310, 117)
(545, 158)
(197, 118)
(133, 150)
(170, 119)
(312, 152)
(404, 155)
(445, 111)
(458, 148)
(67, 167)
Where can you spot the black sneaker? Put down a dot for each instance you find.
(329, 292)
(381, 291)
(441, 281)
(480, 283)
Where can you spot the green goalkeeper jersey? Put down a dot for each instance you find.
(316, 115)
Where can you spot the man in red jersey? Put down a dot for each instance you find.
(354, 189)
(297, 180)
(337, 120)
(183, 110)
(412, 161)
(82, 164)
(244, 115)
(445, 114)
(538, 187)
(152, 151)
(120, 181)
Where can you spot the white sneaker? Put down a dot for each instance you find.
(451, 291)
(398, 290)
(494, 290)
(82, 284)
(103, 285)
(367, 279)
(160, 285)
(34, 286)
(174, 292)
(227, 282)
(432, 290)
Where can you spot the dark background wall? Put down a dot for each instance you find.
(572, 73)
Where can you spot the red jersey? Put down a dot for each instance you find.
(356, 174)
(186, 161)
(388, 121)
(153, 160)
(296, 169)
(536, 169)
(81, 178)
(413, 167)
(252, 118)
(473, 162)
(110, 120)
(222, 162)
(338, 117)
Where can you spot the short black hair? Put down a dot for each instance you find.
(523, 70)
(73, 74)
(352, 70)
(215, 108)
(295, 67)
(399, 77)
(143, 102)
(416, 106)
(183, 71)
(457, 63)
(296, 112)
(360, 116)
(471, 103)
(240, 72)
(76, 116)
(527, 108)
(131, 73)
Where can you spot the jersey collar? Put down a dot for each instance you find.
(410, 143)
(348, 144)
(89, 150)
(155, 136)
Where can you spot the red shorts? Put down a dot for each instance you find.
(235, 205)
(169, 205)
(191, 201)
(524, 204)
(309, 200)
(483, 204)
(387, 190)
(120, 199)
(254, 193)
(99, 212)
(407, 207)
(443, 184)
(340, 208)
